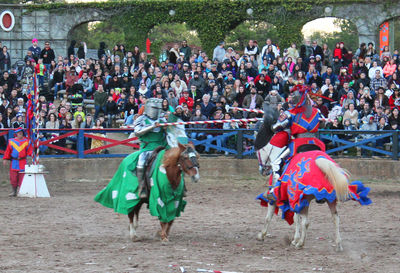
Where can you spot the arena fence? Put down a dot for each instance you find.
(92, 143)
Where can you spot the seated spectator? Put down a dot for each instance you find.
(253, 101)
(274, 98)
(352, 115)
(369, 126)
(79, 111)
(207, 107)
(382, 126)
(87, 85)
(187, 99)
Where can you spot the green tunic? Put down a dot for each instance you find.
(122, 195)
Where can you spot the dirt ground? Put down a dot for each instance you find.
(71, 233)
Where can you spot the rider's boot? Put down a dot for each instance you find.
(142, 183)
(268, 194)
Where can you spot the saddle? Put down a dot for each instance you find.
(150, 165)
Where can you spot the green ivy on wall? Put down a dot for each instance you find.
(212, 19)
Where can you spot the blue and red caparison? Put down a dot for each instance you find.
(302, 177)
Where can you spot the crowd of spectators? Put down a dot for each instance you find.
(355, 89)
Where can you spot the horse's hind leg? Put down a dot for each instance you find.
(132, 229)
(296, 238)
(336, 222)
(304, 226)
(164, 235)
(169, 225)
(268, 218)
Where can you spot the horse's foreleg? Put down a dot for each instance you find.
(336, 222)
(304, 225)
(296, 238)
(268, 218)
(132, 228)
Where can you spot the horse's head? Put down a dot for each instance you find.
(263, 137)
(188, 160)
(264, 162)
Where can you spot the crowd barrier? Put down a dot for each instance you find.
(76, 143)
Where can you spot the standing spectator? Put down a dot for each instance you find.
(71, 49)
(5, 60)
(47, 55)
(18, 149)
(100, 100)
(251, 49)
(185, 49)
(317, 50)
(111, 110)
(268, 44)
(58, 80)
(36, 51)
(219, 52)
(40, 70)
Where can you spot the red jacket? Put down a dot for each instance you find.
(17, 151)
(189, 101)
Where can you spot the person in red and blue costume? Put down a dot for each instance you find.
(18, 149)
(294, 128)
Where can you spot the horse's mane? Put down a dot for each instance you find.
(171, 157)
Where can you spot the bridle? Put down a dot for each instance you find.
(193, 159)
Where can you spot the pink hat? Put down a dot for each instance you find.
(34, 40)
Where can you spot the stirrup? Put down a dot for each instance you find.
(268, 195)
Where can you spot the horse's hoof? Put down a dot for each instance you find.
(294, 242)
(260, 237)
(164, 241)
(299, 246)
(135, 238)
(339, 248)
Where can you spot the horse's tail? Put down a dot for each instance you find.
(337, 176)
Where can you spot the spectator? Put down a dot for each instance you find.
(40, 71)
(207, 107)
(100, 100)
(58, 80)
(87, 85)
(186, 50)
(35, 50)
(187, 99)
(47, 55)
(5, 60)
(253, 101)
(219, 52)
(352, 115)
(111, 108)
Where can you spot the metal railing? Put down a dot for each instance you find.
(75, 143)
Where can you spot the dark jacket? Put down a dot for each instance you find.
(5, 61)
(50, 56)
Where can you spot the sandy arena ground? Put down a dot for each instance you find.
(71, 233)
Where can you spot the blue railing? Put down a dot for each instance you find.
(75, 143)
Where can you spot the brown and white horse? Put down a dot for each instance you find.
(176, 161)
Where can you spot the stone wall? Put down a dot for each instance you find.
(87, 170)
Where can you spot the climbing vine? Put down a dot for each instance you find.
(212, 19)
